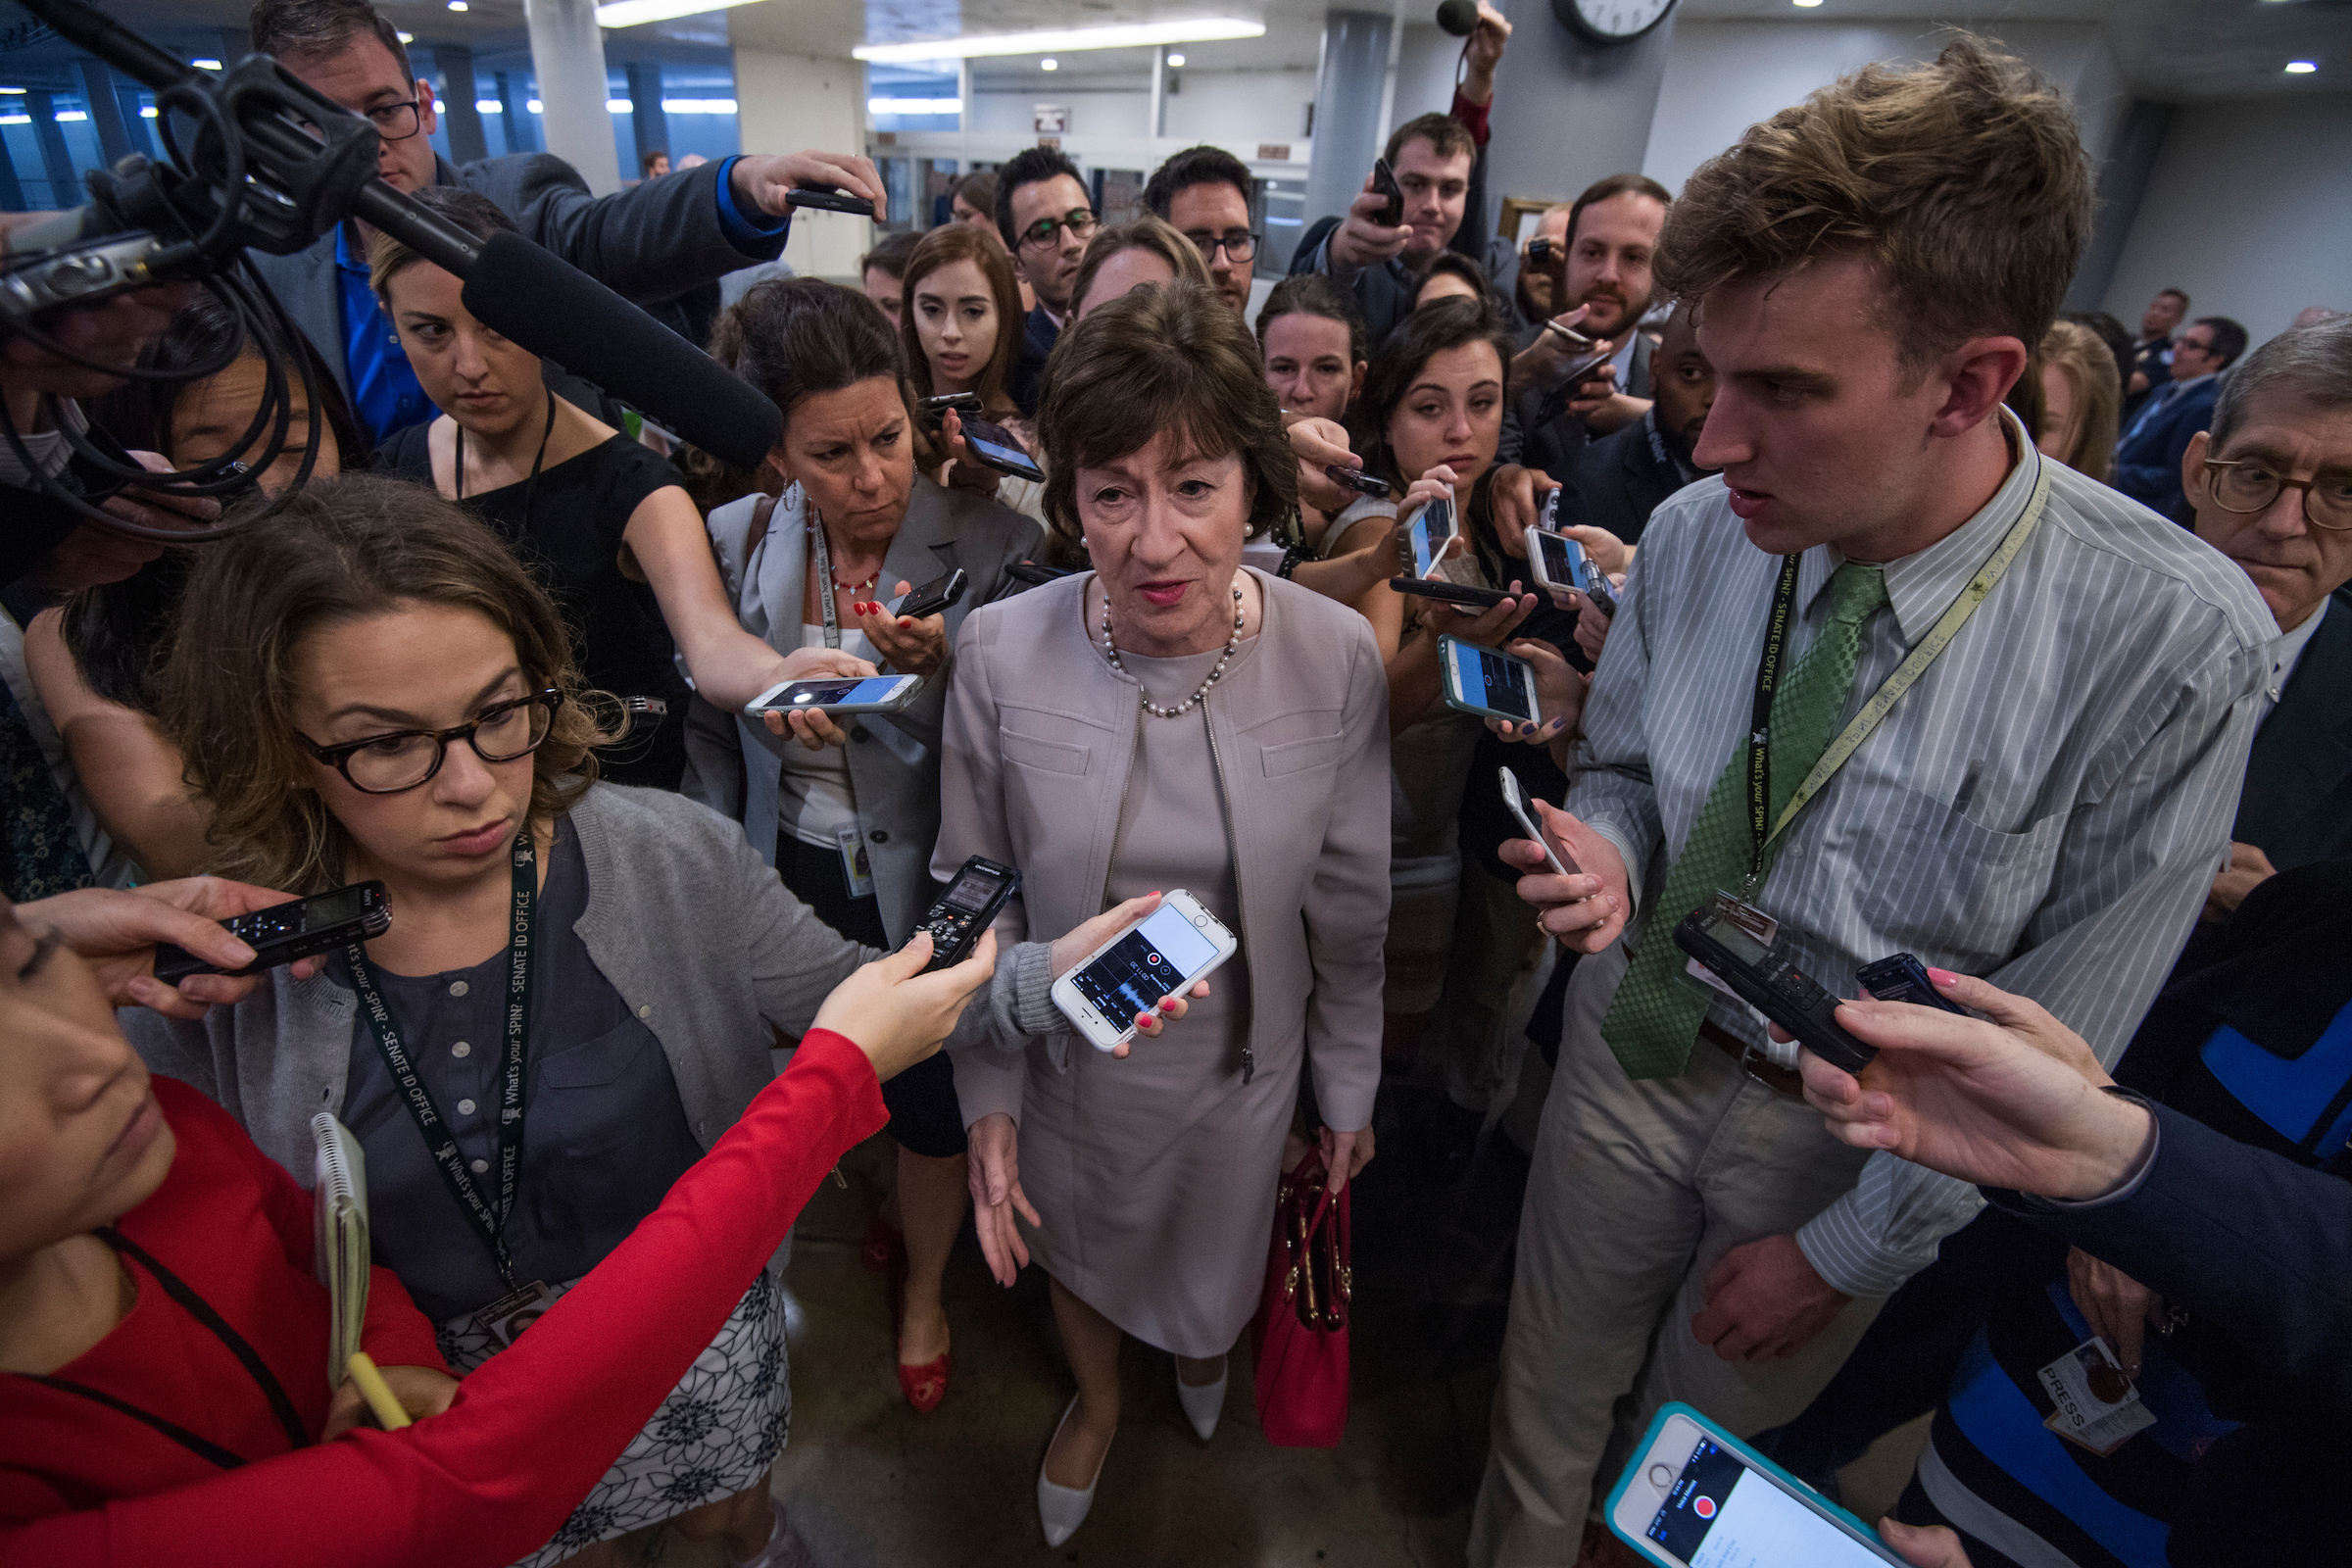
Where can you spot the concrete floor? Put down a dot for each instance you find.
(866, 1480)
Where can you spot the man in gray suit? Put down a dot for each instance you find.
(651, 242)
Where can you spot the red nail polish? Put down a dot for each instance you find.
(1944, 977)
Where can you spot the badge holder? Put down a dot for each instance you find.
(505, 1319)
(856, 866)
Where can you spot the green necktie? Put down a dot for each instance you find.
(1653, 1021)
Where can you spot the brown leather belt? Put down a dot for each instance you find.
(1783, 1080)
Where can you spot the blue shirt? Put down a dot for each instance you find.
(385, 393)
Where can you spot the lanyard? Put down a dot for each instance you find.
(530, 487)
(1761, 826)
(419, 1099)
(824, 568)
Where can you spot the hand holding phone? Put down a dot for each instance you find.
(1384, 181)
(997, 448)
(934, 409)
(828, 198)
(1694, 1493)
(933, 597)
(969, 906)
(849, 694)
(284, 932)
(1164, 953)
(1516, 798)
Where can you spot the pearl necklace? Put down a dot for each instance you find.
(1185, 707)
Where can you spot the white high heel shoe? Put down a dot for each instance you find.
(1202, 1405)
(1062, 1509)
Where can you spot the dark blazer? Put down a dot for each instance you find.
(1027, 382)
(650, 243)
(2297, 804)
(1622, 481)
(2147, 462)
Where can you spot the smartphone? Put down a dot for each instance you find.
(1767, 978)
(1540, 247)
(840, 694)
(1427, 536)
(934, 409)
(1563, 392)
(1904, 978)
(1694, 1495)
(1492, 685)
(1032, 575)
(1575, 339)
(1516, 800)
(284, 932)
(828, 198)
(1357, 479)
(1383, 183)
(969, 907)
(1451, 592)
(939, 593)
(996, 447)
(1160, 955)
(1560, 562)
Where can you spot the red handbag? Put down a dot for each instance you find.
(1301, 1333)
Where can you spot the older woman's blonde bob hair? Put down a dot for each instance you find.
(1145, 233)
(1176, 360)
(338, 552)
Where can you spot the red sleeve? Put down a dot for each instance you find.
(395, 1333)
(1472, 116)
(449, 1490)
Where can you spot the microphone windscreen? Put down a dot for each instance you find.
(558, 311)
(1458, 17)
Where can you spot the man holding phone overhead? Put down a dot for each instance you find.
(1895, 684)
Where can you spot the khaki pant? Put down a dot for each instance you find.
(1637, 1189)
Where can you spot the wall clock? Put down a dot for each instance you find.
(1611, 22)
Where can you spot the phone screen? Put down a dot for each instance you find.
(1151, 961)
(836, 693)
(1429, 534)
(972, 890)
(1721, 1514)
(338, 908)
(1563, 560)
(1494, 680)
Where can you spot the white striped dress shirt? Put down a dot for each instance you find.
(2045, 807)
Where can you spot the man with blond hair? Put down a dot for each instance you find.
(1894, 683)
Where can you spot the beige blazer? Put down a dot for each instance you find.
(1040, 734)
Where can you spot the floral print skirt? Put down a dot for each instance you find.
(716, 1434)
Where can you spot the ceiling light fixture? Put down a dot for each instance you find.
(637, 12)
(206, 64)
(1063, 41)
(1175, 62)
(1808, 4)
(1049, 63)
(2301, 67)
(914, 106)
(405, 37)
(457, 5)
(488, 106)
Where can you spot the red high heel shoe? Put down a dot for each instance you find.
(926, 1384)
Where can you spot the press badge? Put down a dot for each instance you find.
(2098, 1408)
(505, 1319)
(1744, 916)
(857, 869)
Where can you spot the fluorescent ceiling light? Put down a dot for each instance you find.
(206, 64)
(2301, 67)
(1176, 61)
(1808, 4)
(148, 111)
(1064, 40)
(488, 106)
(914, 106)
(457, 5)
(1049, 63)
(405, 37)
(71, 116)
(698, 106)
(15, 119)
(534, 107)
(637, 12)
(12, 89)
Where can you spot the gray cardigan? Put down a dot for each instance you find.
(894, 759)
(695, 934)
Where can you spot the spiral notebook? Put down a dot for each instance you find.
(339, 1210)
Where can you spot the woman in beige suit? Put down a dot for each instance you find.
(1170, 719)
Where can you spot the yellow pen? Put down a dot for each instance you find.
(377, 1393)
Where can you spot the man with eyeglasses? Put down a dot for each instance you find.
(650, 243)
(2147, 460)
(1046, 217)
(2272, 487)
(1205, 192)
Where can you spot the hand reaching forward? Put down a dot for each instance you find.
(895, 1012)
(1585, 909)
(115, 933)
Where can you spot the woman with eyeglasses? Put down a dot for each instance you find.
(603, 519)
(368, 686)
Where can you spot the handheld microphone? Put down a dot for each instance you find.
(1458, 17)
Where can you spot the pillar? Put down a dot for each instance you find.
(1348, 91)
(11, 189)
(1567, 112)
(466, 142)
(515, 115)
(2121, 181)
(134, 124)
(567, 55)
(105, 110)
(647, 123)
(57, 164)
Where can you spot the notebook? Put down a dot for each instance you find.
(339, 1209)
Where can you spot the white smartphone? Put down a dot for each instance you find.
(1492, 685)
(841, 693)
(1517, 801)
(1560, 564)
(1160, 955)
(1431, 531)
(1696, 1497)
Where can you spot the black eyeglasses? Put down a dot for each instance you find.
(1078, 221)
(1239, 244)
(2244, 485)
(387, 764)
(395, 122)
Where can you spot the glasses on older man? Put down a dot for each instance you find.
(1239, 244)
(1046, 230)
(2249, 484)
(387, 764)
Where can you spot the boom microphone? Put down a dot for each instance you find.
(1458, 17)
(536, 298)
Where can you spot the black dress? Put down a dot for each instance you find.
(568, 527)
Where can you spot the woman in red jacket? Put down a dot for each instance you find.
(162, 1396)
